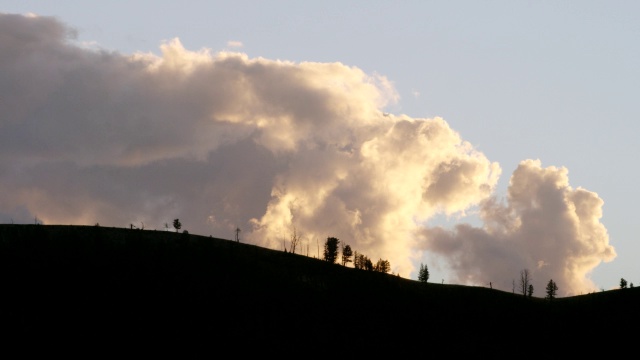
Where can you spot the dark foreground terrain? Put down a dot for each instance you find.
(111, 284)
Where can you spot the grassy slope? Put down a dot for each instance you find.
(95, 281)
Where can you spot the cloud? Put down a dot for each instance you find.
(234, 44)
(545, 226)
(220, 140)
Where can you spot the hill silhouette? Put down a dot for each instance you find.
(96, 282)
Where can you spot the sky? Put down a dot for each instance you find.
(479, 138)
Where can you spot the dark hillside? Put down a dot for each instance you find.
(90, 281)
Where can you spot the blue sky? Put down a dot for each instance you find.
(553, 81)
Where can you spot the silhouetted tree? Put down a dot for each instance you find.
(176, 224)
(623, 283)
(347, 253)
(552, 288)
(423, 274)
(525, 281)
(356, 260)
(382, 266)
(331, 249)
(361, 261)
(368, 265)
(295, 240)
(530, 290)
(630, 285)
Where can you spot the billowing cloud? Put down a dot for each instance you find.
(546, 227)
(221, 140)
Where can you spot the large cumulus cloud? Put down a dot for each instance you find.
(221, 141)
(545, 226)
